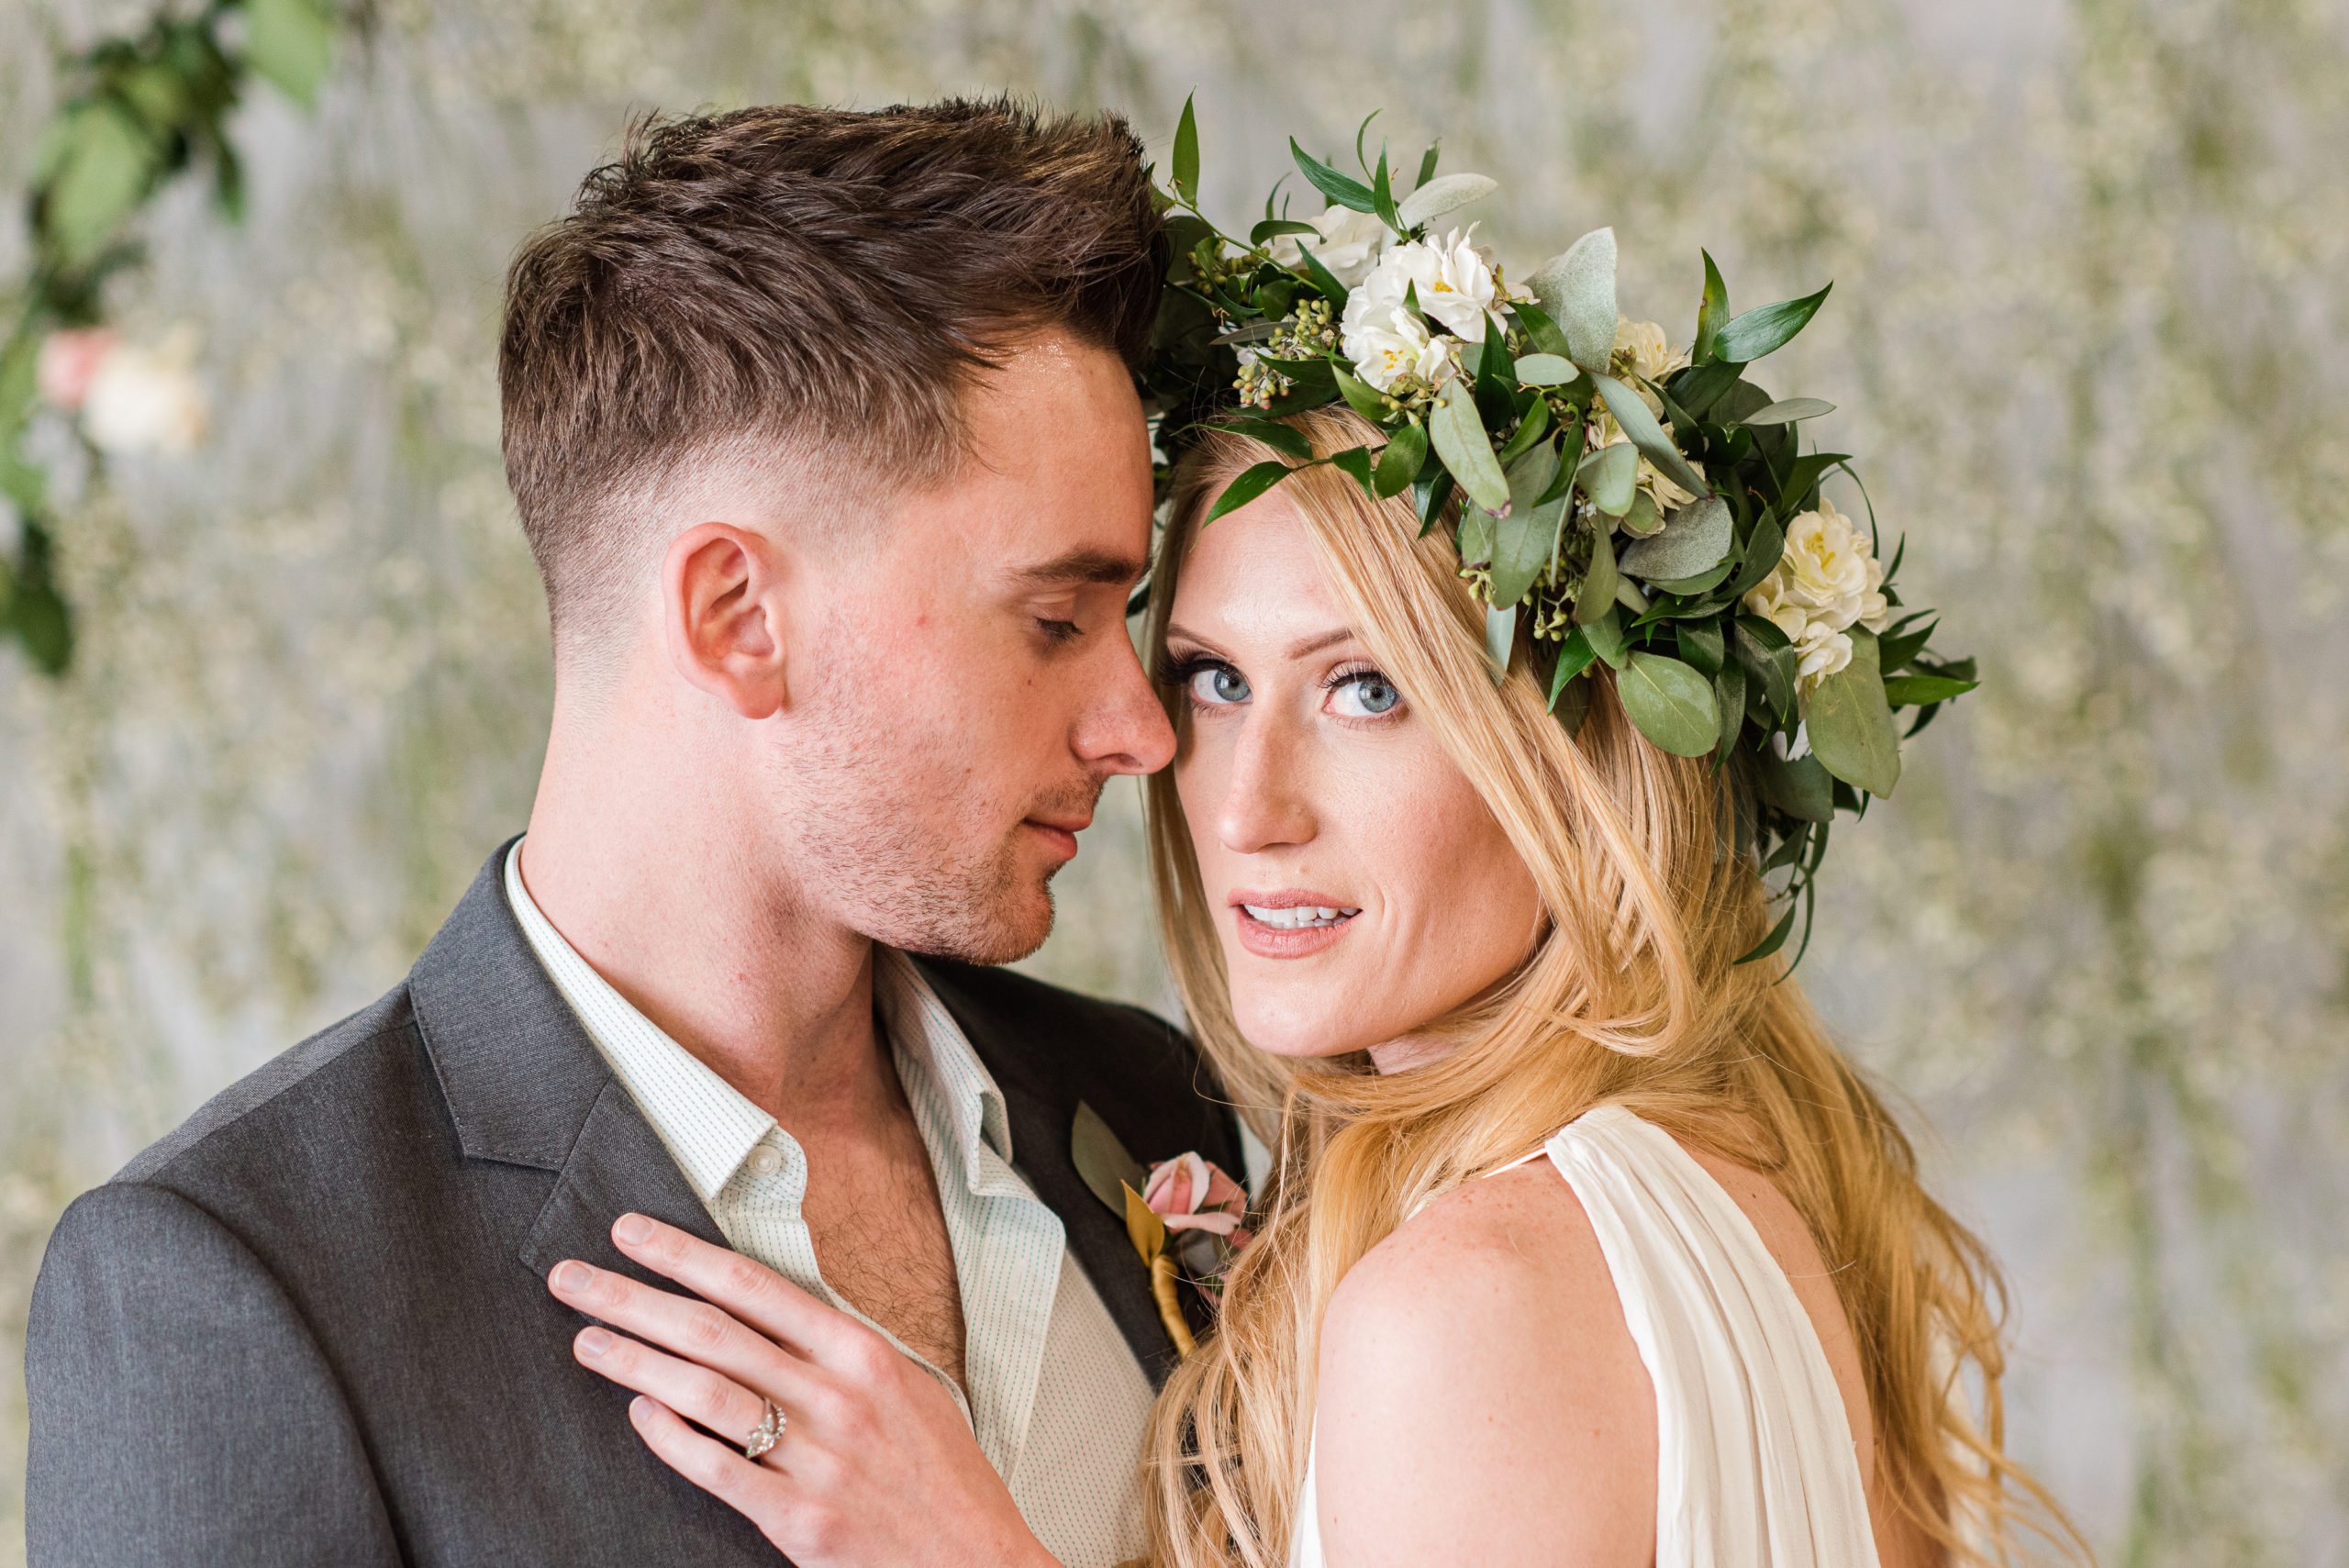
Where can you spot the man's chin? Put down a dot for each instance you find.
(1000, 930)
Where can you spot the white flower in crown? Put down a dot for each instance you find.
(146, 399)
(1454, 278)
(1393, 349)
(1827, 581)
(1349, 244)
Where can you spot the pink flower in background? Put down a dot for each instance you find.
(1189, 1194)
(70, 361)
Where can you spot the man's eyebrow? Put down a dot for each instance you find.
(1101, 567)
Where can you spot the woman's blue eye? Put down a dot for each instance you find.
(1367, 696)
(1220, 684)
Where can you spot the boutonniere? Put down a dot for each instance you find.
(1185, 1215)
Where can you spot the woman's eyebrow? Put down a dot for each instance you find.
(1313, 644)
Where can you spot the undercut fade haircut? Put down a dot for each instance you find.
(797, 287)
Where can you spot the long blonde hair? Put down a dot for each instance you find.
(1630, 997)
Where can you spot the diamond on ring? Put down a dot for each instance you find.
(768, 1432)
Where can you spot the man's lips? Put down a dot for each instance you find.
(1059, 834)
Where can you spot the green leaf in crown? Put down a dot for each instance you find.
(1628, 511)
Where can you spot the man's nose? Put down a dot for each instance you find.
(1125, 730)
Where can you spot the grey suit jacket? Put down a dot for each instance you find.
(311, 1326)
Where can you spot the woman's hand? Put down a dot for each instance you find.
(875, 1468)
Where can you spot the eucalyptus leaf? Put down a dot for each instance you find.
(1541, 330)
(1325, 282)
(1606, 635)
(1728, 697)
(1701, 644)
(1850, 721)
(1354, 462)
(1688, 587)
(1764, 547)
(1630, 412)
(1460, 439)
(1436, 197)
(1712, 310)
(1800, 788)
(1642, 520)
(1671, 704)
(1765, 328)
(1287, 440)
(1342, 189)
(1521, 540)
(1596, 596)
(1609, 477)
(1186, 151)
(1574, 656)
(1364, 399)
(1250, 483)
(1916, 691)
(1577, 288)
(1427, 162)
(1500, 636)
(1545, 370)
(1529, 430)
(1475, 537)
(1406, 450)
(1271, 228)
(1695, 539)
(1769, 659)
(1382, 194)
(1788, 410)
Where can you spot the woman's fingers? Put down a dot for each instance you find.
(695, 1331)
(753, 1292)
(793, 1523)
(710, 1398)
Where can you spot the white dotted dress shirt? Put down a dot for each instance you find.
(1056, 1399)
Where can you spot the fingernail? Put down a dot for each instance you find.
(572, 1277)
(639, 1409)
(633, 1229)
(595, 1342)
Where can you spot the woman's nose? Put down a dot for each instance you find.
(1267, 802)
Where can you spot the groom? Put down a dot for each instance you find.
(822, 428)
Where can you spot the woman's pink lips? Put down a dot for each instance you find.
(1271, 941)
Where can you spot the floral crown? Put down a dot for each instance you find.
(1619, 502)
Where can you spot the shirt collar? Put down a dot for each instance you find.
(708, 1126)
(924, 1033)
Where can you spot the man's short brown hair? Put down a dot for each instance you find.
(801, 280)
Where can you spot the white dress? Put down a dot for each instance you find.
(1755, 1466)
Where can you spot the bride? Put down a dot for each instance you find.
(1713, 1318)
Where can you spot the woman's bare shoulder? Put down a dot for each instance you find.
(1480, 1395)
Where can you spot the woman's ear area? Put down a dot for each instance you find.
(721, 616)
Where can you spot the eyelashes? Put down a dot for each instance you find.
(1181, 672)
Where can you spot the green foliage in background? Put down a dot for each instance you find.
(145, 107)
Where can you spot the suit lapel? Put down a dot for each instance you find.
(1041, 1109)
(526, 1086)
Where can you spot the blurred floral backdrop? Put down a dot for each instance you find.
(2088, 314)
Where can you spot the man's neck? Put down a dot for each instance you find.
(658, 900)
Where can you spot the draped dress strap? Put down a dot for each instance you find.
(1756, 1463)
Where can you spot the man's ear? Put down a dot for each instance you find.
(721, 616)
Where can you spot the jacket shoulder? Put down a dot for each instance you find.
(289, 1085)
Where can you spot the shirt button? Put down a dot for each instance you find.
(766, 1161)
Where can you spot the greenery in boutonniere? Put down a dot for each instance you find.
(1620, 506)
(1185, 1215)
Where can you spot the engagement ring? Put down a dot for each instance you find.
(768, 1432)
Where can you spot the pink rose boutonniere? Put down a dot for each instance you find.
(1185, 1216)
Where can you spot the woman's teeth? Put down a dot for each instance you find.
(1299, 918)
